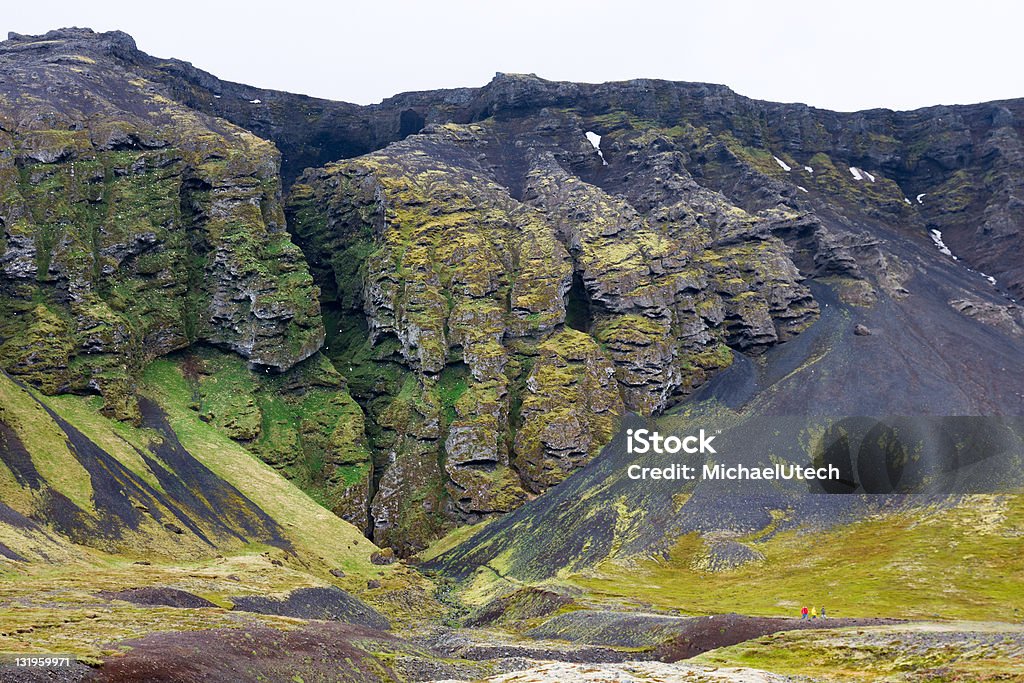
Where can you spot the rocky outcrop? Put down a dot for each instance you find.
(133, 226)
(570, 405)
(1008, 318)
(456, 284)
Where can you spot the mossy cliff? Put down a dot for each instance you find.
(303, 422)
(134, 227)
(496, 314)
(951, 168)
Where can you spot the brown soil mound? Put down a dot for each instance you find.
(323, 652)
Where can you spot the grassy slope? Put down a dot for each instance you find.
(45, 443)
(49, 604)
(962, 562)
(322, 540)
(319, 535)
(451, 539)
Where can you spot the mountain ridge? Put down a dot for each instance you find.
(360, 129)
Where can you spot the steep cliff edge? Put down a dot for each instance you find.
(134, 226)
(956, 169)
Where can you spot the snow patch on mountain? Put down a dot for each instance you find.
(936, 236)
(595, 140)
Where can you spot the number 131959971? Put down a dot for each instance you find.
(41, 662)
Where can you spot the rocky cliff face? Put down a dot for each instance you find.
(489, 279)
(513, 311)
(955, 169)
(132, 227)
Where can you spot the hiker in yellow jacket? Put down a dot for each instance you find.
(814, 613)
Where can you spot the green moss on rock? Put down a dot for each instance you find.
(303, 422)
(143, 227)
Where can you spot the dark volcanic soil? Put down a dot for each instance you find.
(326, 604)
(667, 638)
(482, 646)
(76, 673)
(158, 596)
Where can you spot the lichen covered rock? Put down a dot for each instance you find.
(570, 409)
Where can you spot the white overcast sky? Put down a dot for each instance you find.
(848, 55)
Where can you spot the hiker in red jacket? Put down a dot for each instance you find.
(803, 613)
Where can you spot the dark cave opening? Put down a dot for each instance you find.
(578, 315)
(410, 122)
